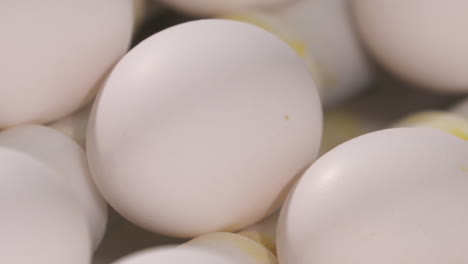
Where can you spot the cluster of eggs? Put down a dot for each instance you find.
(237, 132)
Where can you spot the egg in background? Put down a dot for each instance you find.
(421, 41)
(203, 127)
(56, 53)
(322, 33)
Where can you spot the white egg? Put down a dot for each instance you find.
(39, 222)
(170, 255)
(216, 7)
(234, 247)
(422, 41)
(203, 127)
(68, 160)
(55, 54)
(322, 33)
(392, 196)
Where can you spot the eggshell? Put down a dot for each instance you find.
(451, 123)
(176, 256)
(322, 33)
(39, 221)
(422, 41)
(55, 54)
(190, 139)
(216, 7)
(392, 196)
(68, 160)
(232, 247)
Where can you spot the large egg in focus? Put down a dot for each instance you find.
(56, 53)
(421, 41)
(203, 127)
(392, 196)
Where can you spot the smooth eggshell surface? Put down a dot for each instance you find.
(39, 222)
(422, 41)
(233, 246)
(55, 54)
(170, 255)
(392, 196)
(68, 160)
(216, 7)
(203, 127)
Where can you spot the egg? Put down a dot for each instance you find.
(203, 127)
(451, 123)
(170, 255)
(392, 196)
(62, 155)
(321, 32)
(234, 247)
(56, 53)
(216, 7)
(423, 42)
(40, 222)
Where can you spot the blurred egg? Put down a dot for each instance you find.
(55, 54)
(39, 220)
(68, 160)
(392, 196)
(445, 121)
(187, 139)
(232, 247)
(170, 255)
(422, 41)
(321, 32)
(216, 7)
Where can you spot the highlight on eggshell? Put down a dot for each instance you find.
(41, 222)
(321, 32)
(451, 123)
(217, 7)
(234, 247)
(392, 196)
(186, 156)
(420, 41)
(56, 53)
(75, 125)
(68, 161)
